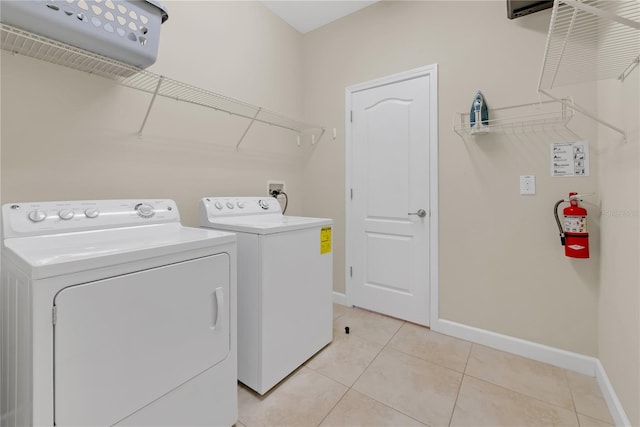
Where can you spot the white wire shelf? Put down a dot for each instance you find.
(532, 117)
(591, 40)
(25, 43)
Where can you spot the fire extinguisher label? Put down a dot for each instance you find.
(575, 224)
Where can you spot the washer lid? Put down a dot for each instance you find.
(57, 254)
(265, 224)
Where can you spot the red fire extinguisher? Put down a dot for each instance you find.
(574, 236)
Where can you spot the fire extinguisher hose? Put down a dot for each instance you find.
(555, 214)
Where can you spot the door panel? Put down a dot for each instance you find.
(387, 147)
(390, 136)
(122, 342)
(393, 274)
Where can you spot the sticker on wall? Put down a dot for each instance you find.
(570, 158)
(325, 240)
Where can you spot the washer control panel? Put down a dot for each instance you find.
(35, 218)
(234, 206)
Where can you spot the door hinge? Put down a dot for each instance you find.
(54, 315)
(351, 193)
(351, 116)
(350, 271)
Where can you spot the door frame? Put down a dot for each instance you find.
(432, 72)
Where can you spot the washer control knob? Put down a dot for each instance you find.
(241, 205)
(66, 214)
(264, 204)
(91, 212)
(218, 206)
(144, 210)
(230, 205)
(37, 215)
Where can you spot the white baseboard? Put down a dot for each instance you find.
(542, 353)
(339, 298)
(586, 365)
(615, 407)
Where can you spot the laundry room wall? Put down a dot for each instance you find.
(619, 302)
(68, 135)
(501, 266)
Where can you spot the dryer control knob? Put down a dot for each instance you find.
(218, 206)
(144, 210)
(91, 212)
(264, 204)
(66, 214)
(230, 205)
(37, 215)
(241, 205)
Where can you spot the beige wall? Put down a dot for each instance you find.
(619, 303)
(501, 265)
(67, 135)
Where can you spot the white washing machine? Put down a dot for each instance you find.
(113, 313)
(285, 289)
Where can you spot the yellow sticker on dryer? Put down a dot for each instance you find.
(325, 240)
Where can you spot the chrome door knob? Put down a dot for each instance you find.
(421, 213)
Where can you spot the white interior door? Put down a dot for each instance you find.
(389, 215)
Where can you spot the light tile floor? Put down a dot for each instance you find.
(387, 372)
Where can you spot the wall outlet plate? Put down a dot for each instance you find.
(275, 185)
(527, 185)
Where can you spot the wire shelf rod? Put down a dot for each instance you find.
(564, 43)
(29, 44)
(629, 69)
(605, 13)
(590, 40)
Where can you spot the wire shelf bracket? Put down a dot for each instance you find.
(25, 43)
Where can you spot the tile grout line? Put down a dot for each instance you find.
(519, 393)
(337, 402)
(349, 388)
(464, 372)
(566, 373)
(573, 399)
(524, 394)
(438, 364)
(392, 348)
(376, 356)
(389, 346)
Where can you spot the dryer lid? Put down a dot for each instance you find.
(57, 254)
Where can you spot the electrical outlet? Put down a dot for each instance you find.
(275, 185)
(527, 184)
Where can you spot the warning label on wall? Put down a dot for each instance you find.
(325, 240)
(570, 158)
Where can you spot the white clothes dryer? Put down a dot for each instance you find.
(285, 285)
(113, 313)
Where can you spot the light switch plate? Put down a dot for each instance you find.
(527, 185)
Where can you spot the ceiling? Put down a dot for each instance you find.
(307, 15)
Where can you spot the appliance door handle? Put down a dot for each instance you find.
(217, 306)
